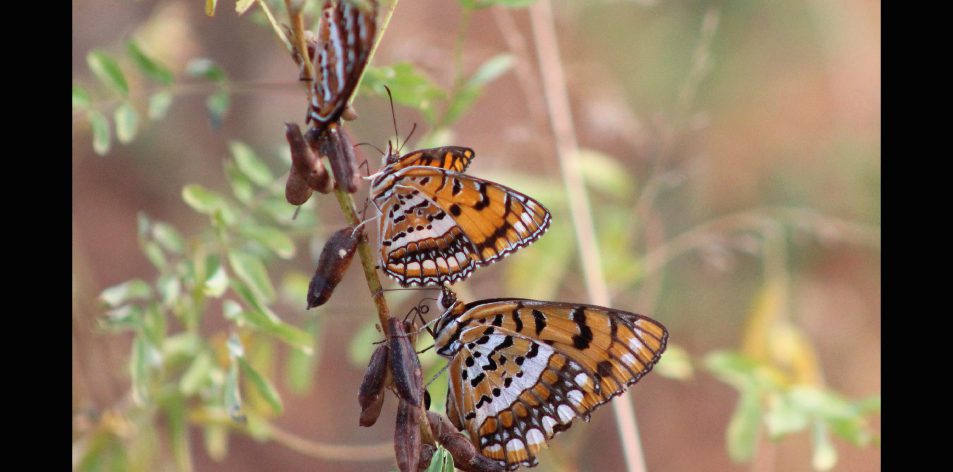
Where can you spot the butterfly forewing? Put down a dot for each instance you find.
(468, 217)
(522, 370)
(453, 158)
(345, 39)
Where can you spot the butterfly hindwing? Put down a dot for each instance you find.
(345, 39)
(472, 220)
(525, 369)
(420, 243)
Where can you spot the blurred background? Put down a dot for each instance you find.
(731, 152)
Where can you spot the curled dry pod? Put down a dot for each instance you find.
(335, 257)
(404, 364)
(371, 394)
(465, 454)
(297, 191)
(305, 164)
(426, 455)
(407, 442)
(335, 143)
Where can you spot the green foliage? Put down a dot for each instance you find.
(441, 461)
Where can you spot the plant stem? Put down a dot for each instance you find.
(557, 100)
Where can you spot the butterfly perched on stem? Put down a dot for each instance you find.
(343, 47)
(522, 370)
(438, 224)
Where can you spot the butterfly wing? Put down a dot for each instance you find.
(345, 39)
(420, 243)
(496, 219)
(526, 369)
(454, 158)
(437, 225)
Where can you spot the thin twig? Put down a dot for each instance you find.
(557, 100)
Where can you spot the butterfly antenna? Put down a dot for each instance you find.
(393, 116)
(371, 145)
(408, 137)
(437, 375)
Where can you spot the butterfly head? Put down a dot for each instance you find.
(446, 343)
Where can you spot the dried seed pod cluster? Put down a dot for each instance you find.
(404, 364)
(407, 441)
(371, 394)
(307, 172)
(335, 144)
(334, 260)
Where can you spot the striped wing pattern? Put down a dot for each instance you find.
(438, 224)
(522, 370)
(345, 39)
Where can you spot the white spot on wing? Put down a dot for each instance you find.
(566, 413)
(515, 445)
(534, 437)
(548, 423)
(629, 359)
(582, 380)
(575, 396)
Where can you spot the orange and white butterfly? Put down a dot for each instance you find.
(438, 224)
(522, 370)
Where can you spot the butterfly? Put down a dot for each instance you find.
(343, 47)
(344, 43)
(522, 370)
(438, 224)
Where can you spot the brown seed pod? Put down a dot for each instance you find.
(335, 144)
(426, 455)
(404, 364)
(334, 259)
(465, 454)
(304, 165)
(297, 191)
(349, 114)
(371, 394)
(407, 442)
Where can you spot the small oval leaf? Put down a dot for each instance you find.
(105, 68)
(127, 122)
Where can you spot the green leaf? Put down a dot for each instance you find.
(218, 104)
(250, 270)
(197, 375)
(233, 397)
(272, 238)
(205, 68)
(81, 98)
(605, 174)
(168, 237)
(242, 5)
(216, 441)
(148, 66)
(263, 386)
(179, 432)
(824, 456)
(134, 289)
(139, 370)
(467, 95)
(127, 122)
(203, 200)
(300, 368)
(217, 281)
(441, 461)
(294, 287)
(675, 364)
(784, 417)
(124, 318)
(105, 68)
(159, 104)
(154, 253)
(102, 138)
(241, 185)
(540, 269)
(261, 318)
(169, 288)
(250, 164)
(408, 86)
(210, 7)
(742, 434)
